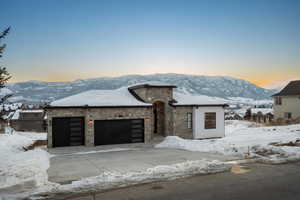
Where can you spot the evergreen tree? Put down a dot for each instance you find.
(4, 75)
(248, 114)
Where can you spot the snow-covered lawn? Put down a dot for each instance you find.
(18, 166)
(246, 139)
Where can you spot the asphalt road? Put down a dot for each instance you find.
(258, 182)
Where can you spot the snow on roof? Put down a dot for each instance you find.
(262, 110)
(31, 111)
(186, 99)
(151, 84)
(103, 98)
(16, 115)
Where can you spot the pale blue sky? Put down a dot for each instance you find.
(60, 40)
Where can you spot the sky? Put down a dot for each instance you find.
(64, 40)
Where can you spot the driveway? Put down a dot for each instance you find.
(73, 163)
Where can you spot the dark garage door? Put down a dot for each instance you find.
(119, 131)
(68, 131)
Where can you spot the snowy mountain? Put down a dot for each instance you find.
(279, 84)
(218, 86)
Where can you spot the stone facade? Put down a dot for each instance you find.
(91, 114)
(165, 95)
(180, 122)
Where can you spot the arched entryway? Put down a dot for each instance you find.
(159, 118)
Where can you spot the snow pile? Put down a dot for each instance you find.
(245, 141)
(109, 180)
(19, 167)
(33, 135)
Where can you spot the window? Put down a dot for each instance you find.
(288, 115)
(189, 120)
(210, 120)
(278, 101)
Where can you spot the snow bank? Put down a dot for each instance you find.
(19, 167)
(109, 180)
(242, 140)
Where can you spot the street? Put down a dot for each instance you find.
(259, 181)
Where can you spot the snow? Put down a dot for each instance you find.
(5, 91)
(152, 83)
(16, 115)
(17, 166)
(185, 99)
(114, 179)
(244, 139)
(32, 111)
(262, 110)
(118, 97)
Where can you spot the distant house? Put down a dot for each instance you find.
(28, 120)
(138, 113)
(287, 102)
(261, 115)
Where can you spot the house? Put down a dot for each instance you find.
(260, 115)
(287, 102)
(132, 114)
(28, 120)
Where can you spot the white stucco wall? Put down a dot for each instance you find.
(198, 123)
(289, 104)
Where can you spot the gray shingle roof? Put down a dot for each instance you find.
(293, 88)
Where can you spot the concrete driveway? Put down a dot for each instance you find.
(73, 163)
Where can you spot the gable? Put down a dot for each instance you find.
(293, 88)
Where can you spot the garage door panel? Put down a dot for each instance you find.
(68, 131)
(118, 131)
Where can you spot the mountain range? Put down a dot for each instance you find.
(217, 86)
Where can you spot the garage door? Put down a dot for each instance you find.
(68, 131)
(119, 131)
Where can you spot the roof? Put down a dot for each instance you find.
(16, 115)
(151, 84)
(202, 100)
(293, 88)
(101, 98)
(32, 111)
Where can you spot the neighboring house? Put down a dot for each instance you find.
(28, 120)
(135, 114)
(287, 102)
(261, 115)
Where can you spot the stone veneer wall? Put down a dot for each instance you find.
(180, 122)
(101, 114)
(153, 94)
